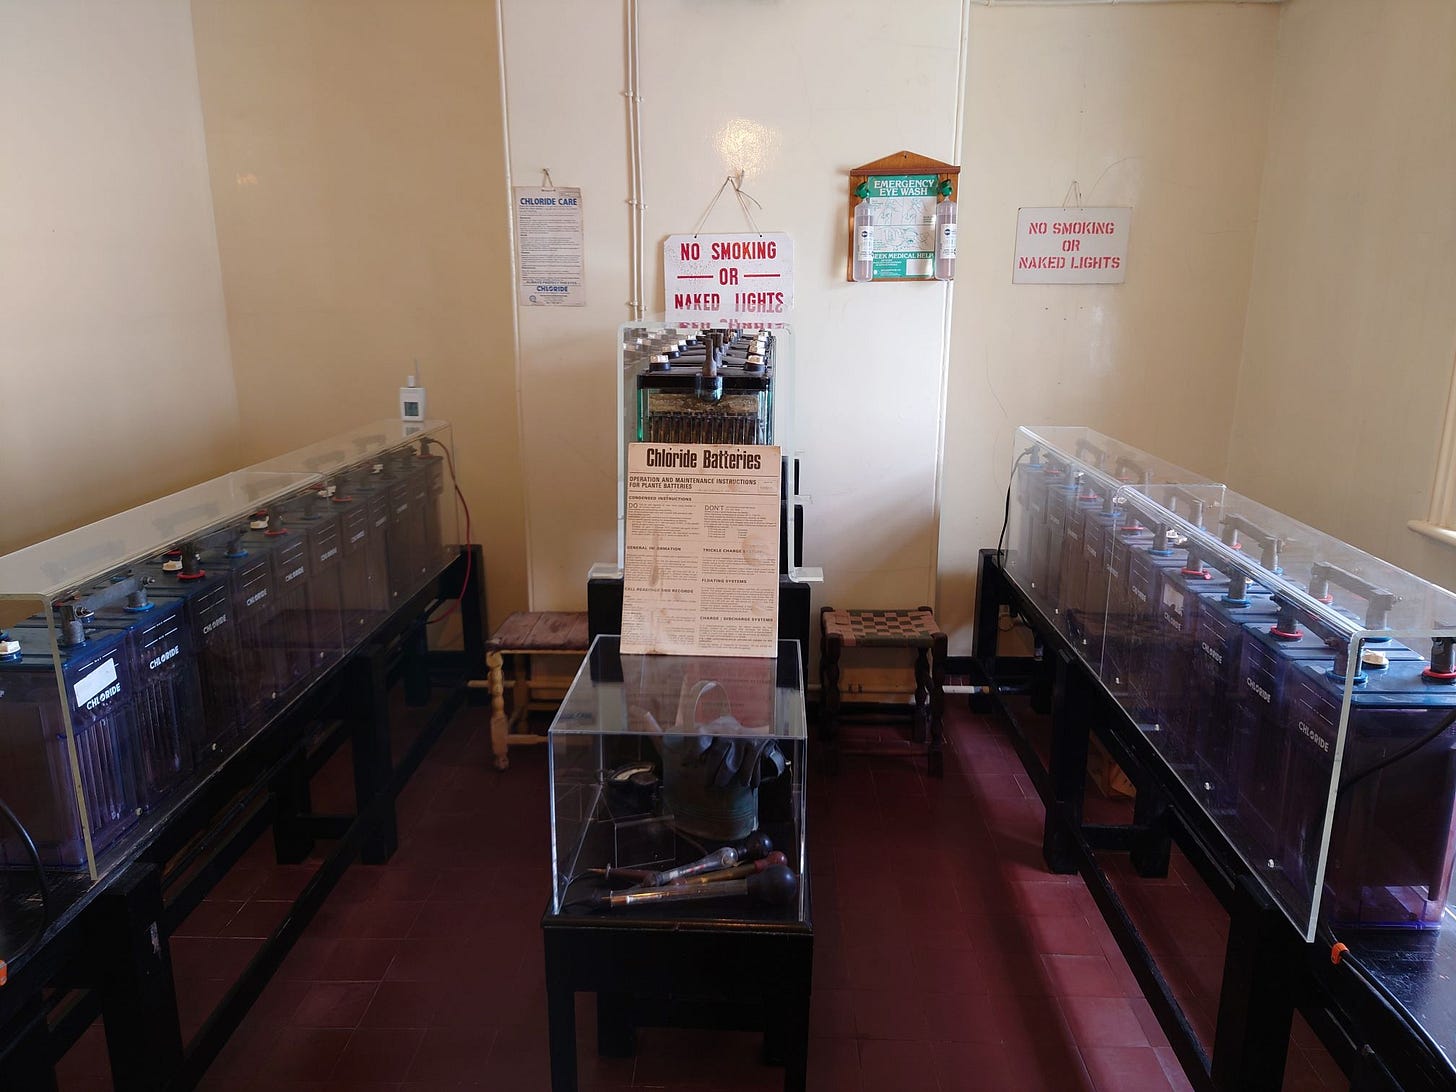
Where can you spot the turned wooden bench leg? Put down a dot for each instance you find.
(500, 727)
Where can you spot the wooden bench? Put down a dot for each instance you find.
(521, 636)
(910, 629)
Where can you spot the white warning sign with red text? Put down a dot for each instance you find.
(1071, 246)
(745, 278)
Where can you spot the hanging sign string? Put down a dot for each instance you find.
(546, 183)
(743, 197)
(1074, 192)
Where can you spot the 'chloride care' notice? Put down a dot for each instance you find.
(702, 568)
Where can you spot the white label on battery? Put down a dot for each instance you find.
(95, 681)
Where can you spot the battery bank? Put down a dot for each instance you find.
(229, 706)
(286, 630)
(1081, 548)
(318, 523)
(1391, 845)
(251, 579)
(35, 766)
(167, 695)
(406, 491)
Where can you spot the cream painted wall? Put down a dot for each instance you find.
(870, 358)
(356, 152)
(563, 71)
(1351, 330)
(1160, 107)
(116, 386)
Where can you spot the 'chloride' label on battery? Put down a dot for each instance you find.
(95, 681)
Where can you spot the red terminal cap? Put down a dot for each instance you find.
(1285, 635)
(1337, 952)
(1439, 676)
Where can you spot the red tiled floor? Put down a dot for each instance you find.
(378, 1055)
(334, 1004)
(966, 966)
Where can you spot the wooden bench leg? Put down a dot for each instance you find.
(935, 765)
(919, 728)
(499, 726)
(829, 648)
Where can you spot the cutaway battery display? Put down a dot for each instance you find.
(714, 388)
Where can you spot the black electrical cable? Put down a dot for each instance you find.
(1006, 516)
(45, 887)
(1409, 748)
(459, 496)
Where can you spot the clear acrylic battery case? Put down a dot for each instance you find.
(712, 386)
(657, 761)
(386, 504)
(132, 655)
(1303, 690)
(1066, 488)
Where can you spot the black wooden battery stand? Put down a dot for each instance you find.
(1269, 970)
(105, 951)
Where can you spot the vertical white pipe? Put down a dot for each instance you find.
(500, 45)
(948, 309)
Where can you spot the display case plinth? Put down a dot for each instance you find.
(722, 975)
(680, 880)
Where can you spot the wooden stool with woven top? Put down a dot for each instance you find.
(523, 635)
(917, 629)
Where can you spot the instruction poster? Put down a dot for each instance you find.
(702, 569)
(549, 246)
(902, 210)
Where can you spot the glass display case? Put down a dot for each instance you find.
(139, 651)
(715, 386)
(125, 656)
(1302, 690)
(658, 762)
(1070, 486)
